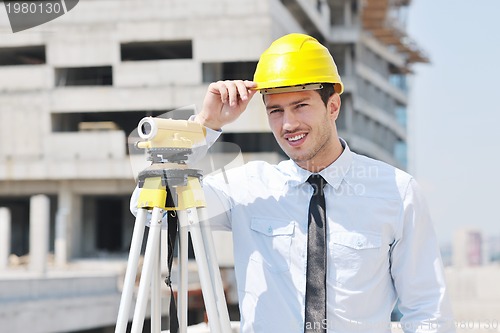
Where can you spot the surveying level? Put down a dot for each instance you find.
(170, 190)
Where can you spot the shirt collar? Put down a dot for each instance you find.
(333, 174)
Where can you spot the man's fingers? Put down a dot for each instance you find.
(231, 92)
(224, 102)
(223, 91)
(250, 85)
(242, 90)
(219, 88)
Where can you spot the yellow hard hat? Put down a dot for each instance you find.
(294, 61)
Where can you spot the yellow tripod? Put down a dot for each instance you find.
(168, 186)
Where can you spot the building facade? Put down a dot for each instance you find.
(72, 90)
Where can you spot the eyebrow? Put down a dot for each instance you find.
(277, 106)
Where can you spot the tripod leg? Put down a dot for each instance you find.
(182, 288)
(215, 273)
(131, 272)
(203, 269)
(150, 256)
(156, 293)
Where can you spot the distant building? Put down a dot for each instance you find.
(73, 89)
(492, 248)
(467, 248)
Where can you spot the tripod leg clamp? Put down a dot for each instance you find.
(153, 194)
(191, 195)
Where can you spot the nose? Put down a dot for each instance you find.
(290, 121)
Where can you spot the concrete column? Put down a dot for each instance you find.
(349, 62)
(62, 237)
(5, 236)
(347, 13)
(324, 12)
(39, 233)
(75, 225)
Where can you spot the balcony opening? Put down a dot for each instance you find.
(398, 77)
(125, 121)
(19, 207)
(107, 224)
(401, 115)
(99, 121)
(337, 14)
(339, 53)
(164, 50)
(238, 70)
(26, 55)
(84, 76)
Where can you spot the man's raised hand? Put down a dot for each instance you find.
(224, 102)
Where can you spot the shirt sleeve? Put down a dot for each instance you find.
(218, 212)
(417, 270)
(201, 150)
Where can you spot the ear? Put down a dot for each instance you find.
(334, 106)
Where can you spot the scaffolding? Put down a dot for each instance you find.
(380, 19)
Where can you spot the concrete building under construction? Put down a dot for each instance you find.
(72, 90)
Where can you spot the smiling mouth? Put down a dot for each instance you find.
(296, 137)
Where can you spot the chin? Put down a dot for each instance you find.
(298, 159)
(296, 155)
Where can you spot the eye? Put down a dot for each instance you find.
(275, 111)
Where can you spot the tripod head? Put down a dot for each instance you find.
(169, 140)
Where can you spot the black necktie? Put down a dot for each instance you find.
(315, 312)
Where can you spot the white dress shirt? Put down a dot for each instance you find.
(381, 246)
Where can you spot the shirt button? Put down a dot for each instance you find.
(270, 229)
(360, 243)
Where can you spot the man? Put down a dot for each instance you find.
(320, 254)
(379, 245)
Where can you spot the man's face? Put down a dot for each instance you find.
(304, 127)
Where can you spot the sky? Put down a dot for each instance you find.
(454, 117)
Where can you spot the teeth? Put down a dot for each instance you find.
(297, 137)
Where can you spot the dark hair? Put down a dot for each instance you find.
(327, 91)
